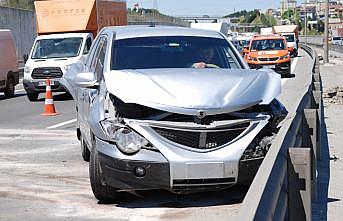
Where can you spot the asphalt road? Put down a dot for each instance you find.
(42, 175)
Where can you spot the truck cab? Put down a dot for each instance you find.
(51, 56)
(292, 42)
(65, 32)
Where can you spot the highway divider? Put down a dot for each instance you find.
(285, 184)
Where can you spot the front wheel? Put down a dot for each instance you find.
(103, 192)
(9, 91)
(32, 96)
(84, 150)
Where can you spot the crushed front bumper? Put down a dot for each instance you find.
(120, 172)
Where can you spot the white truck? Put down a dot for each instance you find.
(291, 33)
(65, 33)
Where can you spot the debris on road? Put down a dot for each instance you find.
(333, 96)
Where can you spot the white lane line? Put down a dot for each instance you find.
(293, 65)
(61, 124)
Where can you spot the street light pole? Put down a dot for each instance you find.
(305, 24)
(326, 33)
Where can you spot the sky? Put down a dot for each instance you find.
(204, 7)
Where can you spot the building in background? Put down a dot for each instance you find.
(287, 4)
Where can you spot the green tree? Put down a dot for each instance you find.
(24, 4)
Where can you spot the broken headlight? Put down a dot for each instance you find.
(127, 140)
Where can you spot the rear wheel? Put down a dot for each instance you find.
(32, 96)
(9, 91)
(103, 192)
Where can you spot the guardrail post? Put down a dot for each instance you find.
(299, 184)
(310, 140)
(317, 104)
(316, 77)
(317, 86)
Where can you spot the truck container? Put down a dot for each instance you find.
(266, 31)
(60, 16)
(66, 29)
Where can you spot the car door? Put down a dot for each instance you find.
(96, 67)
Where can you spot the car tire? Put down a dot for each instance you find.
(32, 96)
(103, 192)
(85, 153)
(10, 88)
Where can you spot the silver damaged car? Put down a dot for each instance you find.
(171, 108)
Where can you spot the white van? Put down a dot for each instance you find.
(51, 56)
(9, 73)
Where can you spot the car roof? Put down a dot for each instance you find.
(132, 31)
(264, 37)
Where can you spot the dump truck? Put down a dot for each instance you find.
(291, 33)
(65, 32)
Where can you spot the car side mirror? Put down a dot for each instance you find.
(25, 57)
(86, 80)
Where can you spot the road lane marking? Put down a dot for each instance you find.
(61, 124)
(293, 65)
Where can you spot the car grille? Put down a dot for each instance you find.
(268, 59)
(200, 182)
(202, 140)
(47, 72)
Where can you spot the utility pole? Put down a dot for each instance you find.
(305, 24)
(326, 33)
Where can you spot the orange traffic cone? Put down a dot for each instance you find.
(49, 107)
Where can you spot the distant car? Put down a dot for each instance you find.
(336, 40)
(269, 51)
(172, 108)
(238, 46)
(9, 73)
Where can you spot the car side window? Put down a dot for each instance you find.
(87, 45)
(96, 53)
(99, 67)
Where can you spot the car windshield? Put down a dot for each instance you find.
(336, 38)
(57, 48)
(268, 44)
(289, 38)
(172, 52)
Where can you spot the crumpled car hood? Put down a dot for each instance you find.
(189, 91)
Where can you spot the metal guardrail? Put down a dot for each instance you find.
(285, 184)
(317, 40)
(157, 19)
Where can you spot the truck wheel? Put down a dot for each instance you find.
(84, 150)
(32, 96)
(101, 191)
(9, 91)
